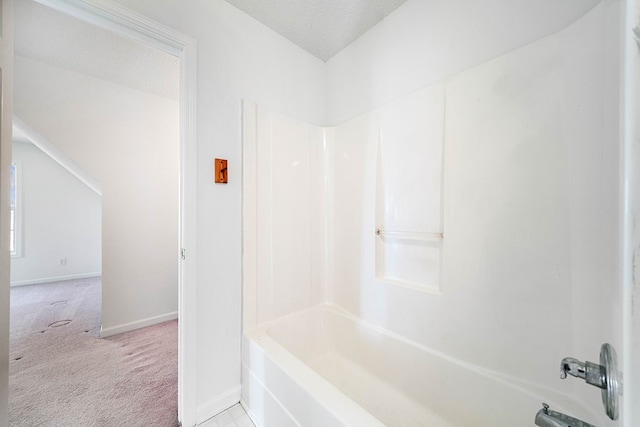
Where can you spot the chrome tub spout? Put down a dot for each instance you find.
(549, 418)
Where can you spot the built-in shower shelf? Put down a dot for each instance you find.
(411, 235)
(410, 259)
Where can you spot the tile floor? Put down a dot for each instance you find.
(232, 417)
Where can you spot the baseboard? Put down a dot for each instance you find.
(126, 327)
(218, 404)
(55, 279)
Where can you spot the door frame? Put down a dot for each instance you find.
(630, 208)
(120, 20)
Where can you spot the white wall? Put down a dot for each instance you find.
(530, 214)
(422, 42)
(60, 218)
(237, 59)
(128, 141)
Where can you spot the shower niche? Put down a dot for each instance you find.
(409, 233)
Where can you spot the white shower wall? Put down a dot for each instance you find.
(528, 208)
(289, 209)
(530, 219)
(409, 171)
(524, 190)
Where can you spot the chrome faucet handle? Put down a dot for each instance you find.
(604, 376)
(573, 367)
(592, 373)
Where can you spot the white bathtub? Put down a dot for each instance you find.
(323, 367)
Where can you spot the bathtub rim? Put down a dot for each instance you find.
(260, 335)
(328, 396)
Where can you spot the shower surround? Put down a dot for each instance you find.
(430, 262)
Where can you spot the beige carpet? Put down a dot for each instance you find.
(62, 374)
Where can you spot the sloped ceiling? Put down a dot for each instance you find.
(19, 136)
(49, 36)
(321, 27)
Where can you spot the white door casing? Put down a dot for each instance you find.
(6, 112)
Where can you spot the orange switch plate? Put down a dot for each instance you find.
(221, 171)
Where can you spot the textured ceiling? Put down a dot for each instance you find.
(49, 36)
(321, 27)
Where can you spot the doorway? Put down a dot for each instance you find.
(125, 23)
